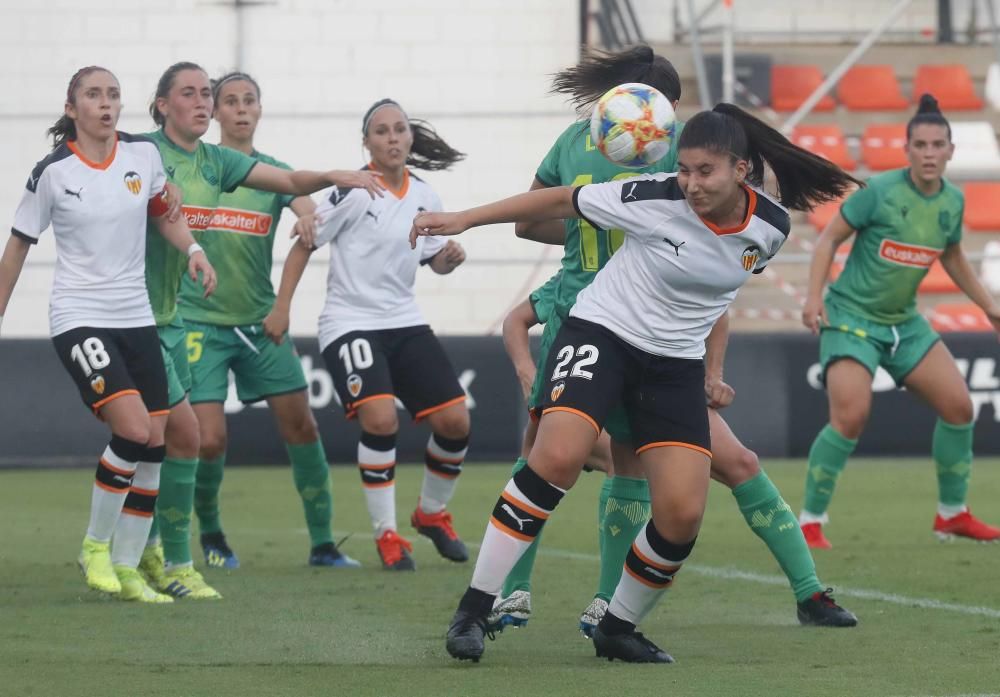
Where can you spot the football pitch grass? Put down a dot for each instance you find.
(929, 612)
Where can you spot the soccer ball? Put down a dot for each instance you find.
(633, 125)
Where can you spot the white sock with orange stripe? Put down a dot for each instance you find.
(111, 484)
(518, 517)
(136, 519)
(377, 463)
(443, 461)
(650, 567)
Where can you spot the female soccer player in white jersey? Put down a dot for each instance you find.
(374, 338)
(624, 503)
(96, 189)
(636, 336)
(182, 108)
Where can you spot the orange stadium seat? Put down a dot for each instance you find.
(959, 317)
(882, 146)
(791, 84)
(982, 206)
(937, 282)
(820, 216)
(871, 88)
(825, 141)
(951, 85)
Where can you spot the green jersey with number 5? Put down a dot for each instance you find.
(574, 161)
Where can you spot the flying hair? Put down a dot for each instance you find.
(429, 150)
(599, 71)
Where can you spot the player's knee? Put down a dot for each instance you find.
(745, 466)
(555, 460)
(136, 431)
(849, 422)
(300, 430)
(959, 413)
(454, 424)
(681, 521)
(382, 424)
(212, 445)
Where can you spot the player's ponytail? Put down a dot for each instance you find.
(165, 84)
(64, 128)
(599, 71)
(429, 150)
(804, 180)
(928, 112)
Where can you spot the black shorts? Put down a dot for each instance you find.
(590, 371)
(109, 363)
(408, 363)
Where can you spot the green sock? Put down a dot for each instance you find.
(311, 472)
(173, 508)
(519, 578)
(772, 520)
(952, 450)
(625, 514)
(827, 458)
(208, 481)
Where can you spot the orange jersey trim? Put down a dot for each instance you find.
(587, 417)
(751, 207)
(507, 531)
(655, 565)
(644, 582)
(420, 415)
(674, 444)
(526, 507)
(110, 398)
(161, 412)
(401, 192)
(71, 144)
(138, 514)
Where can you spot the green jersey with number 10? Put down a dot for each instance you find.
(574, 161)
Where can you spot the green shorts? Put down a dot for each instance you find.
(261, 367)
(175, 360)
(617, 422)
(897, 348)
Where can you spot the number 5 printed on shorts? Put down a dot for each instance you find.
(587, 355)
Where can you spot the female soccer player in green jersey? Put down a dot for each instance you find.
(624, 503)
(182, 108)
(905, 220)
(224, 333)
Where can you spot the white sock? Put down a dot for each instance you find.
(136, 519)
(378, 476)
(947, 512)
(518, 516)
(443, 461)
(111, 486)
(647, 574)
(805, 518)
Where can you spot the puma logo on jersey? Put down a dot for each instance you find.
(677, 247)
(32, 182)
(630, 194)
(74, 193)
(375, 216)
(520, 521)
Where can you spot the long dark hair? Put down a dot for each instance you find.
(804, 180)
(599, 71)
(429, 150)
(64, 128)
(928, 112)
(230, 77)
(164, 85)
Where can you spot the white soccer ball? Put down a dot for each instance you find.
(633, 125)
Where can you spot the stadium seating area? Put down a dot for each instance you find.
(861, 125)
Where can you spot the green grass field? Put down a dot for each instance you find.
(930, 612)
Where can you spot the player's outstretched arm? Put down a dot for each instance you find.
(276, 322)
(554, 203)
(304, 182)
(546, 231)
(448, 259)
(305, 227)
(835, 233)
(518, 344)
(958, 267)
(11, 264)
(179, 236)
